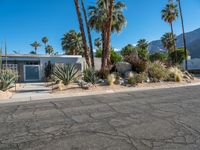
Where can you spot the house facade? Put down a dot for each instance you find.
(31, 68)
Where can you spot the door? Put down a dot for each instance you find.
(31, 73)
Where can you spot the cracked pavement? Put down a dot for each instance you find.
(166, 119)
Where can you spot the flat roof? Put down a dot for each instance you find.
(40, 56)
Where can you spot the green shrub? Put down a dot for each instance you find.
(178, 56)
(7, 78)
(65, 73)
(114, 56)
(157, 71)
(90, 75)
(127, 50)
(158, 56)
(136, 78)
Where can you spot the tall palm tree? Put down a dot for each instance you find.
(80, 20)
(100, 20)
(45, 40)
(35, 45)
(89, 34)
(169, 15)
(183, 33)
(142, 44)
(72, 43)
(49, 49)
(168, 41)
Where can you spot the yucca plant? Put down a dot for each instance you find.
(90, 75)
(65, 73)
(7, 78)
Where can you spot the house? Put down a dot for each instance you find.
(32, 67)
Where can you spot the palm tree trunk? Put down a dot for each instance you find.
(174, 42)
(184, 38)
(108, 36)
(86, 51)
(35, 50)
(89, 35)
(103, 59)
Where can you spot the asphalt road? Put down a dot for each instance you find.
(167, 119)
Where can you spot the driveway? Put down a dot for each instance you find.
(167, 119)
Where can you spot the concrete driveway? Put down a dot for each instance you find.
(167, 119)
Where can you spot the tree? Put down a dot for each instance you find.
(127, 50)
(106, 17)
(72, 43)
(89, 34)
(35, 45)
(183, 33)
(80, 20)
(49, 49)
(98, 43)
(181, 56)
(45, 40)
(169, 15)
(142, 44)
(168, 41)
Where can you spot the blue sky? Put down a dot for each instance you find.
(24, 21)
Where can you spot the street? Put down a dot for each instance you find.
(166, 119)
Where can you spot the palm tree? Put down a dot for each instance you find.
(142, 44)
(80, 20)
(100, 19)
(183, 30)
(45, 40)
(72, 43)
(168, 41)
(89, 34)
(98, 43)
(169, 14)
(35, 45)
(49, 49)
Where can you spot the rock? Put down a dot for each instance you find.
(123, 67)
(128, 74)
(84, 85)
(100, 81)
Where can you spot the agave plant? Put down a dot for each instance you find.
(7, 78)
(90, 75)
(65, 73)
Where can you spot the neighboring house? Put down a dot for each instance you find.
(194, 64)
(32, 67)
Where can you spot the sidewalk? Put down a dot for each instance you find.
(38, 91)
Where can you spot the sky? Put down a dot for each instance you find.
(25, 21)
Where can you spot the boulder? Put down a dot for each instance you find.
(123, 67)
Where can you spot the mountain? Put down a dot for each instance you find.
(192, 40)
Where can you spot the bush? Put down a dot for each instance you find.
(90, 75)
(114, 56)
(127, 50)
(174, 74)
(136, 78)
(7, 78)
(143, 54)
(158, 56)
(157, 71)
(178, 56)
(138, 65)
(65, 73)
(111, 79)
